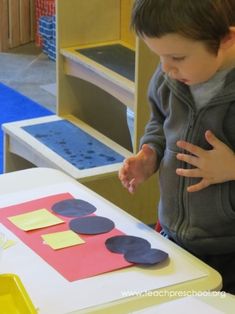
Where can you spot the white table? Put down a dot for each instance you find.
(205, 303)
(121, 291)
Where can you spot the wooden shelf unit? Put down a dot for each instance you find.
(94, 97)
(77, 65)
(102, 22)
(100, 96)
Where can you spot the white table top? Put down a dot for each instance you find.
(121, 291)
(204, 303)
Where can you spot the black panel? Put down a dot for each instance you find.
(115, 57)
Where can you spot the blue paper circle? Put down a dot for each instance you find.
(124, 243)
(91, 225)
(73, 208)
(145, 257)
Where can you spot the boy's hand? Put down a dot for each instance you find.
(139, 168)
(213, 166)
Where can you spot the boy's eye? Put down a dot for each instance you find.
(178, 58)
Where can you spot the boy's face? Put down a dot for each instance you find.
(185, 60)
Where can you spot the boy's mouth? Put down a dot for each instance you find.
(183, 81)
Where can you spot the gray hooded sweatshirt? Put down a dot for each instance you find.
(202, 222)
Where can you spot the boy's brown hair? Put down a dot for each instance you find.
(202, 20)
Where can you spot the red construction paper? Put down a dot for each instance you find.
(73, 263)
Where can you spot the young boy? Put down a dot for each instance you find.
(190, 137)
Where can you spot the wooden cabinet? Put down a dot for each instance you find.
(17, 22)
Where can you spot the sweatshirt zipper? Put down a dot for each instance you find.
(183, 197)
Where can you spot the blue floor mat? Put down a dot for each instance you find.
(15, 107)
(73, 144)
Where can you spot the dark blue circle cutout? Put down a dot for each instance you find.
(145, 257)
(73, 208)
(124, 243)
(91, 225)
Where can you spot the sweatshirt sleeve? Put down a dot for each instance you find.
(154, 133)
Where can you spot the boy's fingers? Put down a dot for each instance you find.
(190, 159)
(212, 139)
(193, 173)
(132, 186)
(193, 149)
(199, 186)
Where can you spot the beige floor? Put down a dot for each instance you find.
(29, 71)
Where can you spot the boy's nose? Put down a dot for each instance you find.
(169, 70)
(166, 67)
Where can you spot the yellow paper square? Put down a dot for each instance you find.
(8, 244)
(59, 240)
(4, 242)
(34, 220)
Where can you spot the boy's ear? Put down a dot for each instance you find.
(229, 40)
